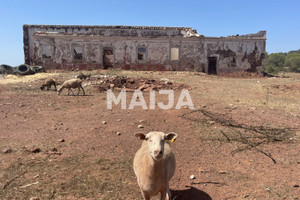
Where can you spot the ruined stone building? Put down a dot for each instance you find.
(141, 48)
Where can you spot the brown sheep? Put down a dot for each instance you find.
(48, 83)
(72, 83)
(154, 164)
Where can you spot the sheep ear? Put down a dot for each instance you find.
(171, 136)
(141, 136)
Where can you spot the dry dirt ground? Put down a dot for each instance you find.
(242, 140)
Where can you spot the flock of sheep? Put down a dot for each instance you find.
(154, 162)
(69, 84)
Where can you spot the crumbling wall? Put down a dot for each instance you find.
(82, 47)
(241, 54)
(26, 45)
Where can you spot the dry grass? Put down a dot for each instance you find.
(88, 177)
(9, 79)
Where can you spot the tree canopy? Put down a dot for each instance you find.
(276, 62)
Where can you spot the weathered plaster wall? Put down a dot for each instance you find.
(233, 53)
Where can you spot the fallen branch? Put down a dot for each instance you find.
(51, 194)
(264, 134)
(24, 186)
(228, 139)
(12, 180)
(245, 141)
(265, 153)
(244, 148)
(208, 182)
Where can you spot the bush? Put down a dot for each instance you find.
(276, 62)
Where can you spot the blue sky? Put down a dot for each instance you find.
(281, 19)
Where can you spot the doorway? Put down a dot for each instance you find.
(212, 65)
(108, 58)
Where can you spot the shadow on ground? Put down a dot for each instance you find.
(191, 194)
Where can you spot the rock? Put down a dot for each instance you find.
(32, 149)
(34, 198)
(201, 170)
(130, 80)
(142, 87)
(141, 121)
(36, 176)
(61, 140)
(140, 126)
(295, 185)
(192, 177)
(222, 172)
(104, 122)
(7, 150)
(118, 120)
(118, 133)
(164, 80)
(111, 85)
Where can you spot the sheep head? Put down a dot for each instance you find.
(59, 90)
(156, 142)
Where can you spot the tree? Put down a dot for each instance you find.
(293, 63)
(275, 62)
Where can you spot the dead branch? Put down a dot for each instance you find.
(228, 139)
(12, 180)
(265, 153)
(244, 148)
(208, 182)
(266, 134)
(245, 141)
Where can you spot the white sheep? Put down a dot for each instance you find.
(154, 164)
(72, 83)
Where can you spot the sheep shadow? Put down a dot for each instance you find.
(191, 194)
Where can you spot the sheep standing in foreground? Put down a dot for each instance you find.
(72, 83)
(154, 164)
(48, 83)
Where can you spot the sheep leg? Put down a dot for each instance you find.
(71, 91)
(78, 91)
(145, 196)
(163, 194)
(54, 86)
(82, 90)
(169, 195)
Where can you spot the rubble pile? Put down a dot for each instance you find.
(132, 84)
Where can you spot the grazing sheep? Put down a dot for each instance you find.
(48, 83)
(154, 164)
(72, 83)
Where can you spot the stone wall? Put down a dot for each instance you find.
(140, 48)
